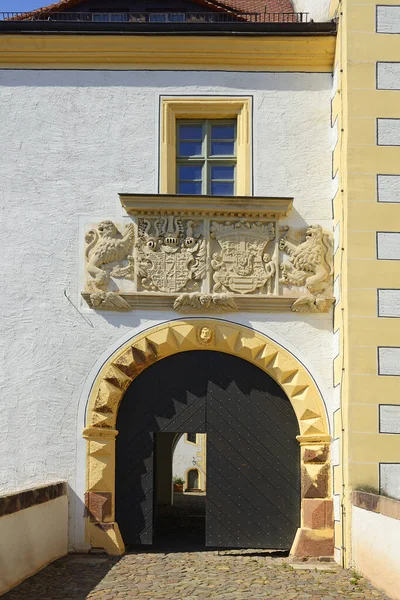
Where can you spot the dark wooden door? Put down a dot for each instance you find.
(253, 471)
(253, 486)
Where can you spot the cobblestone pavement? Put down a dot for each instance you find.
(191, 576)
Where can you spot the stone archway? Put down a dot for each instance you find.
(315, 536)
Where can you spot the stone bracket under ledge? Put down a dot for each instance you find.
(211, 254)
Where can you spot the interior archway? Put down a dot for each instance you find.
(221, 336)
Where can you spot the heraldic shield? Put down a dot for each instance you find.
(243, 266)
(171, 258)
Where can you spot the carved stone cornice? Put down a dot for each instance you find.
(206, 206)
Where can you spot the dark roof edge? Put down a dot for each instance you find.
(50, 27)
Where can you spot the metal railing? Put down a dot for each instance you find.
(153, 17)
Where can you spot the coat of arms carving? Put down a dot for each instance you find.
(171, 254)
(207, 255)
(243, 266)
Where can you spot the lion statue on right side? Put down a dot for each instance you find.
(311, 266)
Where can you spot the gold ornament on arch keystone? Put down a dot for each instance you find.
(206, 335)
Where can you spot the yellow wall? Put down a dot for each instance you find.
(357, 105)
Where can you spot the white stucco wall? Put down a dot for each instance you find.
(318, 9)
(71, 142)
(30, 539)
(184, 454)
(376, 549)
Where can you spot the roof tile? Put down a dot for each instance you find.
(258, 6)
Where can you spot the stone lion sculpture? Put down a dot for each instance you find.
(106, 245)
(310, 265)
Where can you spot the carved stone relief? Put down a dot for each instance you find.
(187, 303)
(171, 254)
(243, 266)
(106, 249)
(205, 335)
(196, 265)
(309, 266)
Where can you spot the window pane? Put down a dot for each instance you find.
(190, 187)
(176, 17)
(190, 172)
(223, 172)
(119, 17)
(223, 132)
(222, 189)
(190, 132)
(158, 17)
(190, 148)
(101, 18)
(222, 148)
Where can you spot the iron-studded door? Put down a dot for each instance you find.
(253, 487)
(168, 396)
(253, 471)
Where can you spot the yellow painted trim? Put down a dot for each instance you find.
(333, 8)
(189, 442)
(211, 107)
(168, 339)
(233, 53)
(179, 336)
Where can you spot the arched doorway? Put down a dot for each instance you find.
(315, 536)
(253, 457)
(193, 479)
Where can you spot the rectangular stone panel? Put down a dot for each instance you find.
(388, 75)
(389, 418)
(387, 19)
(388, 245)
(390, 479)
(389, 303)
(388, 361)
(388, 132)
(389, 188)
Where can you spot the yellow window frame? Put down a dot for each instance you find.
(208, 107)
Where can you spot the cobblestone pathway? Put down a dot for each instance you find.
(191, 576)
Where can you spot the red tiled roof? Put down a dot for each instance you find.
(258, 6)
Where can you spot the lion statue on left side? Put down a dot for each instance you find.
(107, 245)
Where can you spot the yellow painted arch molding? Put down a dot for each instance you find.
(167, 339)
